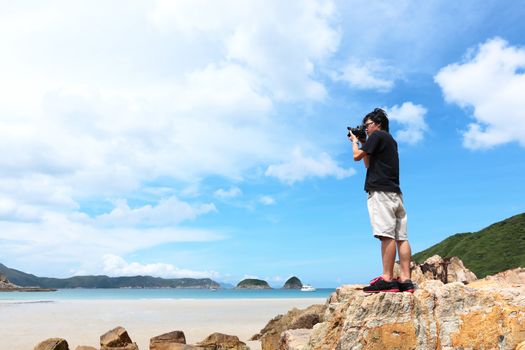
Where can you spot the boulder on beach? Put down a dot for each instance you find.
(306, 318)
(168, 341)
(293, 283)
(117, 339)
(222, 341)
(52, 344)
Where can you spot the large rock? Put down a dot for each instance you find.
(220, 341)
(294, 339)
(270, 335)
(52, 344)
(509, 277)
(85, 347)
(117, 339)
(169, 341)
(436, 268)
(436, 316)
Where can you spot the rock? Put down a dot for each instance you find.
(220, 341)
(53, 344)
(293, 283)
(6, 286)
(117, 339)
(436, 316)
(295, 339)
(521, 346)
(270, 335)
(84, 347)
(251, 283)
(168, 341)
(436, 268)
(513, 276)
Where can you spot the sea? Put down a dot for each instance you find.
(163, 293)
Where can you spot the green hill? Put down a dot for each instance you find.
(252, 283)
(496, 248)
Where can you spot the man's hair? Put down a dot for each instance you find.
(379, 117)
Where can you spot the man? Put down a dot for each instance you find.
(385, 201)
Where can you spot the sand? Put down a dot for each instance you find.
(81, 322)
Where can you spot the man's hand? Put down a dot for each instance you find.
(353, 138)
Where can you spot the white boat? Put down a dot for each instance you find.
(307, 288)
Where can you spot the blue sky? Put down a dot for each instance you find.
(208, 138)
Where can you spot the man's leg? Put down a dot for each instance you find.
(388, 256)
(405, 255)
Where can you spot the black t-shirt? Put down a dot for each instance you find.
(383, 168)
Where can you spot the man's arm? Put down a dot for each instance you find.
(358, 153)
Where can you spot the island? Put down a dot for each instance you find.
(293, 283)
(252, 283)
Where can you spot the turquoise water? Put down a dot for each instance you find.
(138, 294)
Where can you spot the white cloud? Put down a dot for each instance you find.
(267, 200)
(44, 234)
(300, 167)
(232, 192)
(372, 75)
(279, 42)
(118, 108)
(412, 117)
(96, 109)
(491, 81)
(169, 211)
(114, 265)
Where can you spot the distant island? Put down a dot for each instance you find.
(26, 280)
(252, 283)
(293, 283)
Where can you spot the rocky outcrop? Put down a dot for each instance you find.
(252, 283)
(270, 335)
(293, 283)
(53, 344)
(6, 286)
(221, 341)
(436, 316)
(117, 339)
(436, 268)
(294, 339)
(514, 277)
(168, 341)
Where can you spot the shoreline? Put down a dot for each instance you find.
(82, 322)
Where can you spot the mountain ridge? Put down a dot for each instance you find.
(102, 281)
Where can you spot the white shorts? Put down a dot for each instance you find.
(387, 215)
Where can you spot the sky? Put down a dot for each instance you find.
(202, 138)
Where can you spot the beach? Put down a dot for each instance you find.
(81, 322)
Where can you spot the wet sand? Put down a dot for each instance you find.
(81, 322)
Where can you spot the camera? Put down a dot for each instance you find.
(358, 131)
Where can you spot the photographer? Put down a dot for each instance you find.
(385, 201)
